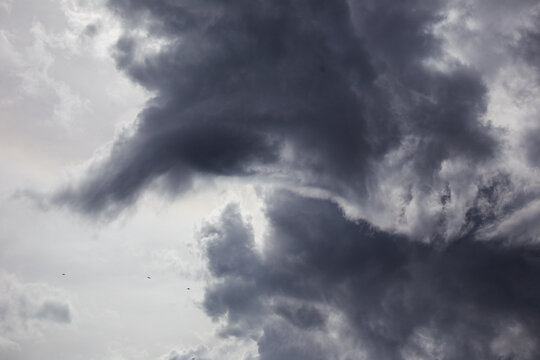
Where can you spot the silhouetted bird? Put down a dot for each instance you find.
(63, 274)
(148, 277)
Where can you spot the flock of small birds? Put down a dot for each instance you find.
(148, 277)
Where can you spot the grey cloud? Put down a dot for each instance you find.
(528, 49)
(440, 110)
(502, 210)
(280, 341)
(229, 244)
(531, 142)
(53, 311)
(29, 308)
(91, 30)
(303, 316)
(488, 205)
(397, 298)
(311, 92)
(339, 96)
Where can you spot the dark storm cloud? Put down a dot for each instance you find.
(398, 298)
(311, 92)
(532, 145)
(528, 49)
(488, 205)
(441, 110)
(356, 98)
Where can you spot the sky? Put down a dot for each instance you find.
(263, 180)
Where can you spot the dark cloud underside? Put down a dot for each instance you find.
(313, 92)
(399, 299)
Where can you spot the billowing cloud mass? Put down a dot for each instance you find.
(314, 93)
(327, 287)
(406, 135)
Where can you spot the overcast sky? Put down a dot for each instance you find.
(269, 180)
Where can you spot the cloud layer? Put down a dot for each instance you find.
(419, 119)
(304, 92)
(326, 287)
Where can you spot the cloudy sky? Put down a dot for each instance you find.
(307, 179)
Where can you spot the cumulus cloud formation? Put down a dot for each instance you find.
(327, 287)
(312, 93)
(407, 135)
